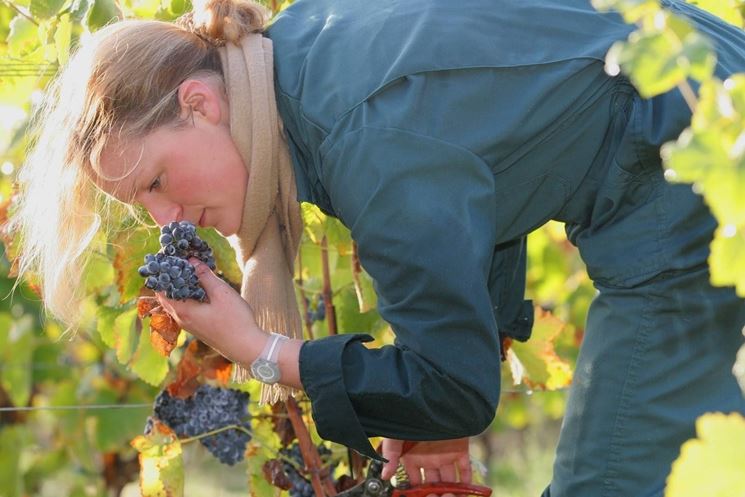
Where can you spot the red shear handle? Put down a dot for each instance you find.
(441, 488)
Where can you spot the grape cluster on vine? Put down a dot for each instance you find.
(169, 270)
(319, 314)
(208, 409)
(292, 461)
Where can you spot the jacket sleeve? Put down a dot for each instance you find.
(423, 213)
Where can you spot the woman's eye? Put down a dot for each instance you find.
(155, 184)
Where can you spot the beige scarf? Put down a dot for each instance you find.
(268, 239)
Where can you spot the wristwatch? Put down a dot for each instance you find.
(265, 367)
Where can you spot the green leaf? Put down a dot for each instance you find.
(161, 463)
(662, 54)
(711, 464)
(632, 10)
(62, 37)
(178, 7)
(349, 319)
(224, 255)
(700, 55)
(542, 367)
(725, 9)
(314, 221)
(130, 248)
(115, 427)
(739, 368)
(23, 38)
(116, 326)
(102, 13)
(650, 60)
(44, 9)
(12, 440)
(18, 350)
(148, 363)
(727, 258)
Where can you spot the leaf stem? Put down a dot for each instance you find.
(327, 293)
(20, 12)
(688, 95)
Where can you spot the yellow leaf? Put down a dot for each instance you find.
(161, 463)
(711, 465)
(541, 367)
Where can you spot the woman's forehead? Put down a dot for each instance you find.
(118, 168)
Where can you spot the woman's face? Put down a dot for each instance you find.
(192, 173)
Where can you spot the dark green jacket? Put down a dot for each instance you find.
(440, 132)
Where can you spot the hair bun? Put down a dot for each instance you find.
(221, 21)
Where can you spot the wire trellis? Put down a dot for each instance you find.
(27, 69)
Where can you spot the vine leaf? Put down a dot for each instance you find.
(130, 248)
(147, 362)
(164, 331)
(739, 369)
(44, 9)
(282, 425)
(274, 473)
(542, 368)
(17, 351)
(161, 462)
(712, 463)
(199, 361)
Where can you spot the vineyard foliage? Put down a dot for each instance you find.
(112, 361)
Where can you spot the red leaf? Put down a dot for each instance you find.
(274, 473)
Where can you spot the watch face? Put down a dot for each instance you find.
(265, 371)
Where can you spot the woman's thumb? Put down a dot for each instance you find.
(207, 279)
(392, 451)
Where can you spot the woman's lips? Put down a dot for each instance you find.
(201, 219)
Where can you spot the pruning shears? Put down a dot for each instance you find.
(374, 486)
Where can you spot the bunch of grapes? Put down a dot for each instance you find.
(292, 459)
(319, 314)
(169, 270)
(208, 409)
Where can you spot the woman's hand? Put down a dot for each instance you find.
(226, 323)
(446, 460)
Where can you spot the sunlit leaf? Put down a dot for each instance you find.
(102, 13)
(632, 10)
(130, 249)
(23, 38)
(739, 368)
(725, 9)
(17, 353)
(62, 37)
(148, 363)
(161, 463)
(662, 55)
(224, 255)
(44, 9)
(117, 330)
(314, 221)
(164, 333)
(541, 365)
(711, 464)
(12, 440)
(726, 261)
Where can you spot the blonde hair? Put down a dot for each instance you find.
(122, 83)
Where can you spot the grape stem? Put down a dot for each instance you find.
(216, 431)
(309, 451)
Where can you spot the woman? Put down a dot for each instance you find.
(440, 133)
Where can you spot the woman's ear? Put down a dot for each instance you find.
(199, 99)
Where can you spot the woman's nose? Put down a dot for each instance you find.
(162, 212)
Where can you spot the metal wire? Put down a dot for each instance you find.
(80, 407)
